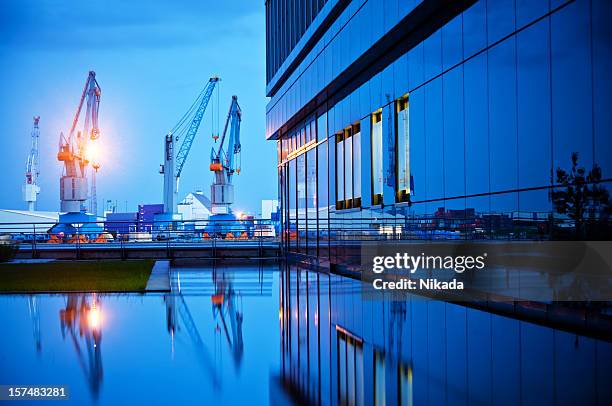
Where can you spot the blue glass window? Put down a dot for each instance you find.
(402, 123)
(377, 158)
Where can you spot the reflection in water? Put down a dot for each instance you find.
(357, 351)
(81, 319)
(239, 331)
(175, 302)
(187, 346)
(35, 316)
(227, 304)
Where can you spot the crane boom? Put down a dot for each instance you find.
(183, 152)
(173, 164)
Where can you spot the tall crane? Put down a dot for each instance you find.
(76, 149)
(224, 162)
(31, 188)
(173, 164)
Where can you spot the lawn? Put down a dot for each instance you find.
(62, 276)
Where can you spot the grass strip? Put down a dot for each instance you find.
(63, 276)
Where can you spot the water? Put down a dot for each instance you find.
(140, 356)
(291, 334)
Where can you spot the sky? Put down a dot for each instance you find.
(151, 58)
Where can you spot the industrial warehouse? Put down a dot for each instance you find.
(306, 202)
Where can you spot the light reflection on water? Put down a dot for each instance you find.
(252, 334)
(215, 338)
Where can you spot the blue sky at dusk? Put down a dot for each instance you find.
(151, 58)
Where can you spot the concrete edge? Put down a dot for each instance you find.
(159, 280)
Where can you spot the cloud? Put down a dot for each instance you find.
(109, 24)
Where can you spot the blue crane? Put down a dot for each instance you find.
(187, 127)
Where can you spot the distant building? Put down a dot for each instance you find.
(195, 206)
(121, 223)
(268, 207)
(25, 221)
(146, 213)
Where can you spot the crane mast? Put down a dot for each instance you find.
(31, 188)
(223, 162)
(78, 149)
(174, 163)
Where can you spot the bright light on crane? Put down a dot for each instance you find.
(73, 150)
(92, 154)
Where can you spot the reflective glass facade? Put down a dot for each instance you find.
(337, 349)
(483, 119)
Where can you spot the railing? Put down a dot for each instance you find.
(150, 233)
(489, 226)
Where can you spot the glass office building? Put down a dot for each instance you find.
(410, 119)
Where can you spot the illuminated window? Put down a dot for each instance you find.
(356, 165)
(340, 203)
(348, 168)
(403, 149)
(377, 158)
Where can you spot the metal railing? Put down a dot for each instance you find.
(479, 226)
(128, 232)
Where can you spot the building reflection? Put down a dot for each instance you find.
(339, 348)
(81, 321)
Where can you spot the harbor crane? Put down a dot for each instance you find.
(224, 162)
(77, 151)
(31, 188)
(174, 163)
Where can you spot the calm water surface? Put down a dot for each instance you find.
(260, 334)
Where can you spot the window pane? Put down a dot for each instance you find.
(357, 165)
(403, 148)
(359, 401)
(311, 199)
(405, 386)
(301, 199)
(342, 369)
(322, 196)
(377, 155)
(322, 127)
(348, 168)
(350, 369)
(340, 171)
(292, 203)
(379, 379)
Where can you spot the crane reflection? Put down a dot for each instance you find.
(81, 321)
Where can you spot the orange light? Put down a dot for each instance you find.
(92, 153)
(94, 318)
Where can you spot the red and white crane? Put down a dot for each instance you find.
(31, 188)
